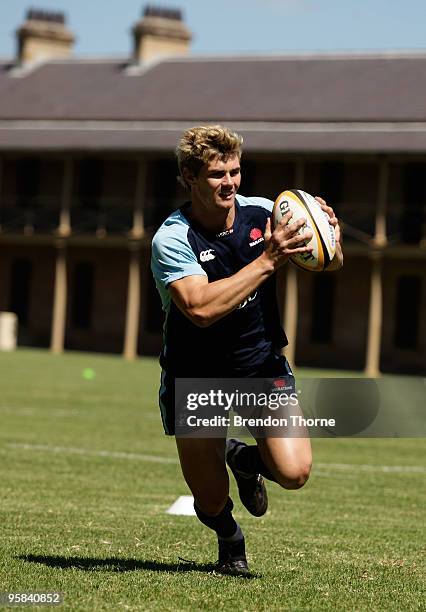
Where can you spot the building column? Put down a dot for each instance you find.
(64, 228)
(291, 306)
(138, 228)
(380, 237)
(375, 314)
(374, 332)
(133, 304)
(290, 313)
(130, 350)
(59, 300)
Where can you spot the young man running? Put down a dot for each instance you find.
(214, 262)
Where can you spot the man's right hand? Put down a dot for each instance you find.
(285, 240)
(204, 302)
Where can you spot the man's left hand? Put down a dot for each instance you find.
(337, 261)
(332, 217)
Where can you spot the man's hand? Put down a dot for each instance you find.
(285, 240)
(337, 261)
(205, 302)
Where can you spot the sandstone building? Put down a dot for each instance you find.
(87, 173)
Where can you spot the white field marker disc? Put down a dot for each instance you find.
(183, 505)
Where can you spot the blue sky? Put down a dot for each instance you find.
(238, 26)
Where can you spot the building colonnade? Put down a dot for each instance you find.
(136, 243)
(64, 231)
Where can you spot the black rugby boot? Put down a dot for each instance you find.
(232, 558)
(251, 488)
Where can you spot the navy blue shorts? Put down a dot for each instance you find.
(275, 375)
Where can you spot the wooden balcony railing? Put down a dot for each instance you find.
(43, 216)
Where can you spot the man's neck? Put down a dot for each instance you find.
(217, 222)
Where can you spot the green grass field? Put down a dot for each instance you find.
(87, 475)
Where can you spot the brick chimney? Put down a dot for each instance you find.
(43, 35)
(160, 33)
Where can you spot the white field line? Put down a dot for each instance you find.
(362, 467)
(69, 450)
(56, 412)
(349, 467)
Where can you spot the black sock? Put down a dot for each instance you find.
(223, 524)
(247, 460)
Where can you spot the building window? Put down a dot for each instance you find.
(248, 178)
(323, 297)
(162, 191)
(28, 182)
(414, 199)
(20, 289)
(407, 312)
(82, 302)
(331, 183)
(89, 184)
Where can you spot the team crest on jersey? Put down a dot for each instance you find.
(256, 236)
(207, 255)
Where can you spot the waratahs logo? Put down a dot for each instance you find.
(256, 236)
(279, 383)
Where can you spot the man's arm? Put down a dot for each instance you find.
(204, 303)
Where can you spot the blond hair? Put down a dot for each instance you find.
(200, 145)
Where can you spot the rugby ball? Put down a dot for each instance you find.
(323, 241)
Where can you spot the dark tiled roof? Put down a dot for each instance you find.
(262, 91)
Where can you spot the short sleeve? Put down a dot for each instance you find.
(172, 256)
(256, 201)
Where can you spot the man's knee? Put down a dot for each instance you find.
(294, 477)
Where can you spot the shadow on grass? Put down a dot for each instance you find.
(115, 564)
